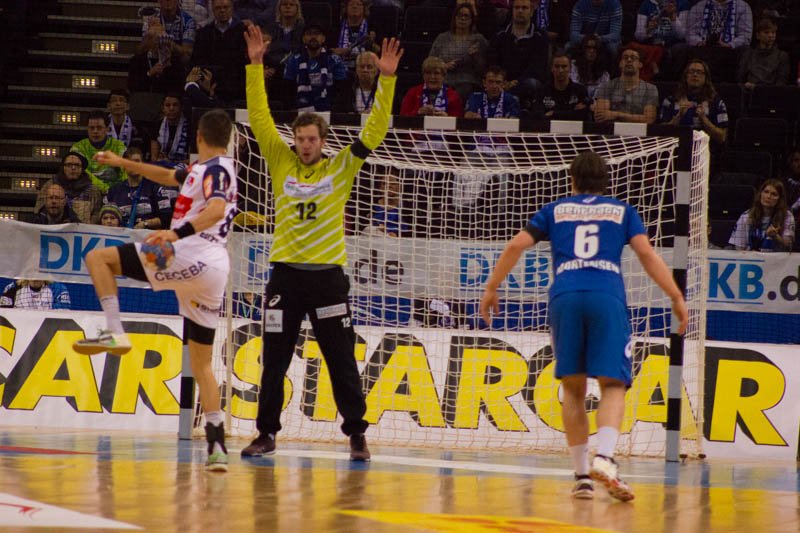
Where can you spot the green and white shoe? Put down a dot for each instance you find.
(217, 462)
(217, 452)
(113, 343)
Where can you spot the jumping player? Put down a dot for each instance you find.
(587, 311)
(201, 220)
(308, 250)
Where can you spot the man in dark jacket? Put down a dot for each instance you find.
(55, 209)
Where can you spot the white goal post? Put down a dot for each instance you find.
(429, 213)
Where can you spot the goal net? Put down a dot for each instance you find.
(429, 214)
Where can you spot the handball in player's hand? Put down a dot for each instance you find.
(157, 255)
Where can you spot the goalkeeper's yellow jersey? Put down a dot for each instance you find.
(310, 200)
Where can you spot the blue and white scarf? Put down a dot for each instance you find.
(489, 111)
(310, 82)
(350, 39)
(543, 15)
(125, 132)
(439, 101)
(711, 21)
(178, 149)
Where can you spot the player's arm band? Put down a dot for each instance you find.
(359, 150)
(537, 234)
(185, 230)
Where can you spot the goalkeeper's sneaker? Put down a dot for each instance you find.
(604, 470)
(113, 343)
(584, 488)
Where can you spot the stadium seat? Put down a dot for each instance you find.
(729, 201)
(764, 133)
(745, 161)
(384, 21)
(425, 23)
(738, 178)
(413, 56)
(721, 230)
(319, 13)
(731, 94)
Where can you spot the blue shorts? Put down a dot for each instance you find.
(591, 335)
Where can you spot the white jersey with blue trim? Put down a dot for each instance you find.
(215, 178)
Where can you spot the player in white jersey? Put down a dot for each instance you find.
(201, 220)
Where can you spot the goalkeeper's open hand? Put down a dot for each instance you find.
(390, 57)
(489, 302)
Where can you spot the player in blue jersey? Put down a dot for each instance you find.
(587, 312)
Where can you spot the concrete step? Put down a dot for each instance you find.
(42, 131)
(95, 24)
(43, 114)
(80, 60)
(23, 183)
(36, 150)
(102, 45)
(36, 94)
(121, 10)
(74, 78)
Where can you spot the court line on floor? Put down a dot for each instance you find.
(474, 466)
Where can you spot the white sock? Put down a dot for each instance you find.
(607, 440)
(215, 418)
(110, 305)
(580, 458)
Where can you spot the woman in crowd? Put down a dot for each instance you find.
(768, 226)
(463, 51)
(590, 66)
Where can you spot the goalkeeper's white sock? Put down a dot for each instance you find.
(110, 305)
(607, 441)
(580, 458)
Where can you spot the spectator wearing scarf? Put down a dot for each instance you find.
(315, 72)
(727, 23)
(172, 143)
(433, 97)
(354, 34)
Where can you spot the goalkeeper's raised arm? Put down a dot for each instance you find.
(378, 121)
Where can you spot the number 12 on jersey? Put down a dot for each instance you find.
(305, 211)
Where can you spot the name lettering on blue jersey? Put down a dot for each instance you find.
(577, 264)
(569, 212)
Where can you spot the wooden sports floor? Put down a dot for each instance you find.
(115, 481)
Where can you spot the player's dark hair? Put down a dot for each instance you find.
(119, 91)
(311, 119)
(589, 173)
(215, 127)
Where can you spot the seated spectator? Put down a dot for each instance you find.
(361, 96)
(120, 125)
(661, 36)
(55, 209)
(142, 203)
(354, 34)
(493, 101)
(220, 47)
(110, 216)
(719, 31)
(98, 140)
(83, 197)
(662, 22)
(315, 74)
(488, 18)
(286, 33)
(590, 67)
(35, 294)
(765, 64)
(696, 103)
(171, 146)
(432, 97)
(627, 98)
(463, 51)
(522, 50)
(561, 98)
(602, 18)
(768, 226)
(258, 12)
(386, 213)
(170, 29)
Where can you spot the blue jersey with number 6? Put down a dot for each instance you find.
(587, 233)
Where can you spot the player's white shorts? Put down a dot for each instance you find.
(198, 275)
